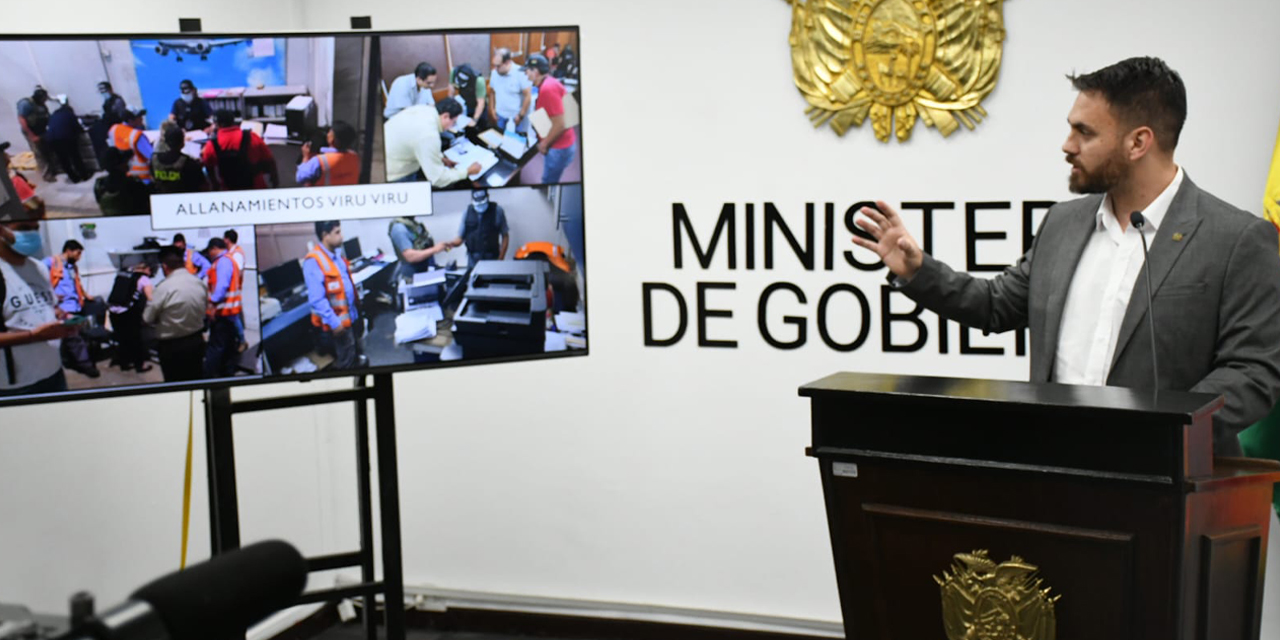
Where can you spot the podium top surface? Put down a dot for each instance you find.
(1014, 394)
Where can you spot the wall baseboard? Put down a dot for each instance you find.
(506, 613)
(484, 612)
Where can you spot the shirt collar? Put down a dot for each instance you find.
(1154, 213)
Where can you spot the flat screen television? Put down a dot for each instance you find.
(189, 211)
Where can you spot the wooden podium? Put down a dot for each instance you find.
(1009, 510)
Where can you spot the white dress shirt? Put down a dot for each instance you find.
(1100, 290)
(412, 140)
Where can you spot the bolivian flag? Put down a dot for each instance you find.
(1262, 440)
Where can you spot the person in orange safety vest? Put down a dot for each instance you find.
(127, 137)
(333, 298)
(226, 300)
(336, 164)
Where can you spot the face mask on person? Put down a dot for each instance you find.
(481, 208)
(26, 243)
(188, 97)
(105, 96)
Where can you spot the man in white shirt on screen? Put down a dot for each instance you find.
(411, 89)
(177, 311)
(413, 144)
(510, 94)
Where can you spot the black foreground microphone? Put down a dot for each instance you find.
(1138, 223)
(214, 599)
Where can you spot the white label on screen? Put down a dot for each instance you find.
(278, 206)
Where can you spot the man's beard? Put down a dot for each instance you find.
(1113, 171)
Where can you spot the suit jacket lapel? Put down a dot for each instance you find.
(1182, 218)
(1081, 225)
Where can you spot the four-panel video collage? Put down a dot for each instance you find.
(97, 297)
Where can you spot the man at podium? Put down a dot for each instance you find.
(1082, 288)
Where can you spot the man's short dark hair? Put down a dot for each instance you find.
(104, 85)
(178, 237)
(174, 136)
(450, 107)
(424, 70)
(503, 53)
(230, 234)
(224, 117)
(172, 257)
(216, 243)
(325, 226)
(344, 135)
(72, 245)
(1141, 92)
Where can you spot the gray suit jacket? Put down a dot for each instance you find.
(1217, 303)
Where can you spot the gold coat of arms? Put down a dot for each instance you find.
(982, 600)
(896, 61)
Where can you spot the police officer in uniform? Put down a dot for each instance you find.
(190, 111)
(114, 109)
(483, 229)
(33, 117)
(414, 246)
(172, 171)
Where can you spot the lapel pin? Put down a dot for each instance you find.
(1177, 237)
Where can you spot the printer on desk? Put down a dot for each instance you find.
(504, 311)
(424, 289)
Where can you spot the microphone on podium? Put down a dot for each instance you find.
(218, 598)
(1138, 222)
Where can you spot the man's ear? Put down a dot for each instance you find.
(1140, 142)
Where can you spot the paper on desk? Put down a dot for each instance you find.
(301, 365)
(192, 150)
(571, 322)
(276, 131)
(419, 324)
(465, 153)
(461, 123)
(555, 342)
(491, 137)
(495, 180)
(514, 145)
(431, 276)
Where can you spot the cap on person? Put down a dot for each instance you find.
(479, 196)
(539, 62)
(186, 85)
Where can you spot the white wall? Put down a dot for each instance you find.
(664, 476)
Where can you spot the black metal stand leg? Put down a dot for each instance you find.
(389, 505)
(224, 519)
(363, 478)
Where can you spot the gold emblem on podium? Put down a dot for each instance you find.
(896, 61)
(982, 600)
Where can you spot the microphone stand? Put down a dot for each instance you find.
(1138, 221)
